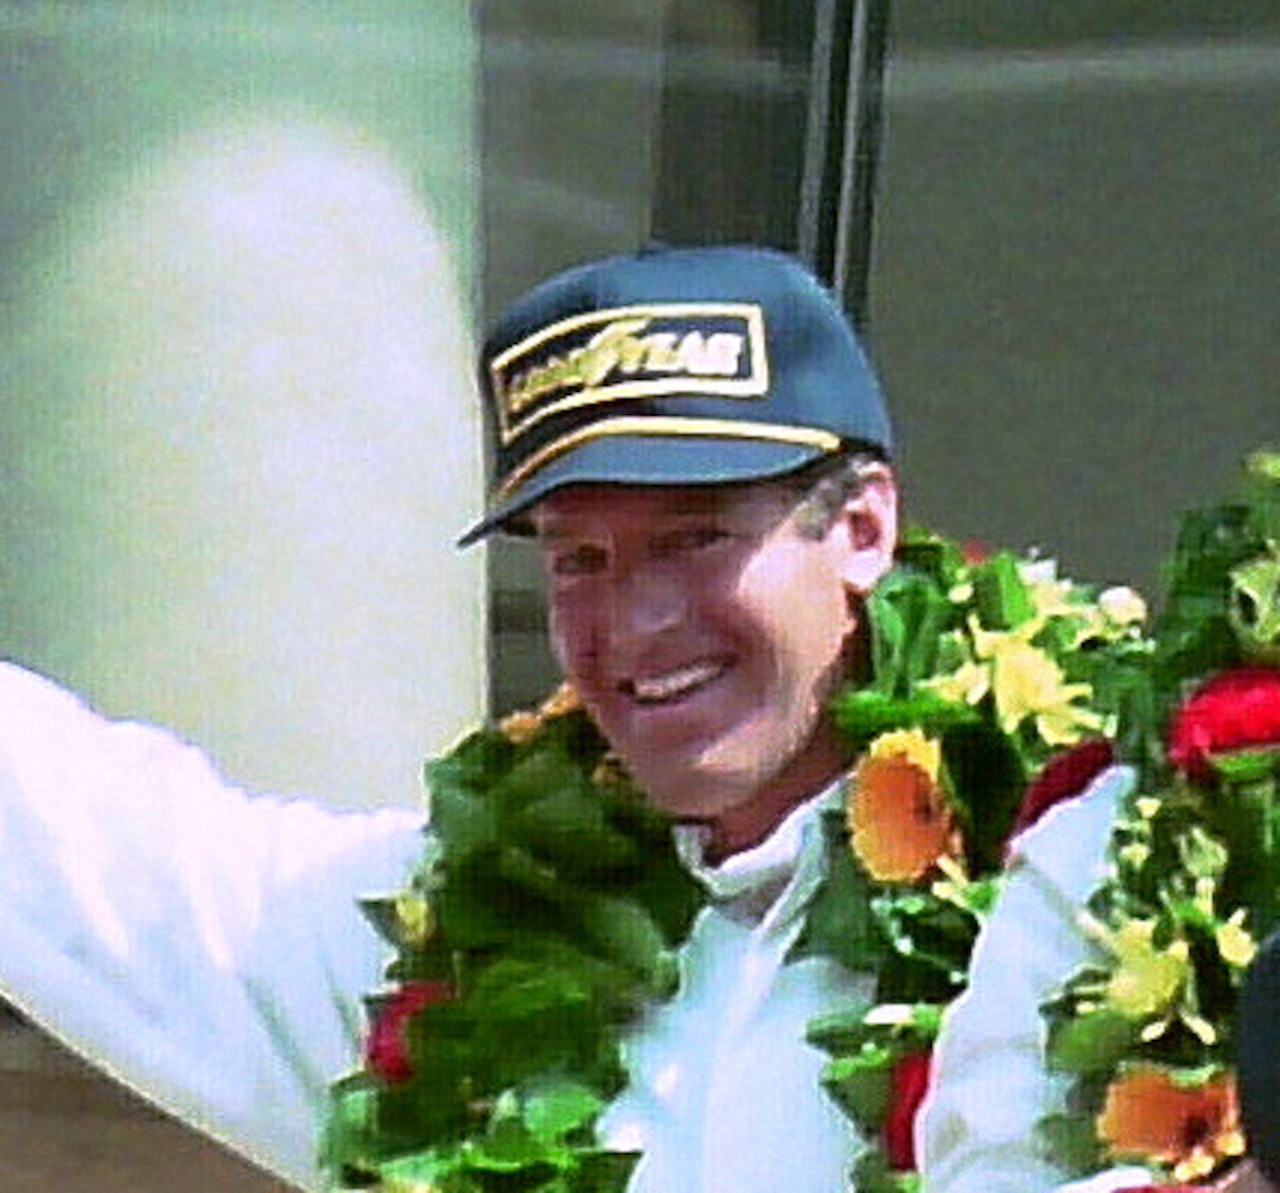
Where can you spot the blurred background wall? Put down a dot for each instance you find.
(237, 262)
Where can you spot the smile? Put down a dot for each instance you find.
(675, 685)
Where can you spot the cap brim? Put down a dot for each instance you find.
(647, 460)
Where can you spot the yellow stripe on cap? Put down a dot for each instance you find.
(639, 426)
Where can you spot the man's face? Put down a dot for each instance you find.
(705, 632)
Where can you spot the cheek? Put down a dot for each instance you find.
(805, 655)
(570, 633)
(801, 606)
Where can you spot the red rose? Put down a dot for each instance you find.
(1231, 711)
(1065, 775)
(910, 1083)
(386, 1050)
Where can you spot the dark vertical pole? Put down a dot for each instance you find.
(837, 186)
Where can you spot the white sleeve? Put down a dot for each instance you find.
(202, 945)
(977, 1129)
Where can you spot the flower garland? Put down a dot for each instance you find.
(1147, 1031)
(550, 906)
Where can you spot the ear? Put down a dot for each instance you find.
(868, 526)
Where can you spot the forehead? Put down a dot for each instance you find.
(609, 506)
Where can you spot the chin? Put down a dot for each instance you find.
(698, 796)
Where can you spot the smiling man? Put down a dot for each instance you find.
(705, 631)
(697, 444)
(699, 450)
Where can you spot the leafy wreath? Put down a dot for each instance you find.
(549, 906)
(1147, 1030)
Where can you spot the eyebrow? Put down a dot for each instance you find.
(712, 501)
(691, 502)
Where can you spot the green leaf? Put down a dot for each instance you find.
(840, 1031)
(988, 782)
(907, 612)
(1071, 1141)
(1248, 766)
(568, 830)
(1090, 1044)
(532, 1017)
(459, 818)
(840, 923)
(927, 934)
(482, 907)
(350, 1137)
(509, 1147)
(864, 714)
(625, 932)
(848, 1030)
(600, 1171)
(557, 1108)
(862, 1084)
(537, 775)
(1001, 594)
(872, 1174)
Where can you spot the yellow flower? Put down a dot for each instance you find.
(1156, 1115)
(396, 1184)
(520, 727)
(966, 685)
(1146, 980)
(1116, 614)
(913, 745)
(1026, 682)
(1050, 596)
(415, 919)
(899, 819)
(1235, 942)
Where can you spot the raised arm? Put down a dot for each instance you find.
(200, 944)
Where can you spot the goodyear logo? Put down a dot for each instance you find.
(671, 349)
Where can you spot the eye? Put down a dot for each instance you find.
(583, 559)
(699, 537)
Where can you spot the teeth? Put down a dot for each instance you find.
(675, 683)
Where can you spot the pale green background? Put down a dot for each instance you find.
(238, 244)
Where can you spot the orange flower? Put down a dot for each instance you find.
(898, 813)
(523, 726)
(1153, 1114)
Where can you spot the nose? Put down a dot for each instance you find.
(647, 600)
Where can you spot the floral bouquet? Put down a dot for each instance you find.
(1147, 1032)
(549, 906)
(985, 666)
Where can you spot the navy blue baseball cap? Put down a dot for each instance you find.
(671, 366)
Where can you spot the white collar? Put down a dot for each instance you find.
(788, 861)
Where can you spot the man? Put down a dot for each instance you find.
(700, 450)
(659, 419)
(699, 447)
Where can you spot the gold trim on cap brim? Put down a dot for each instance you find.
(640, 426)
